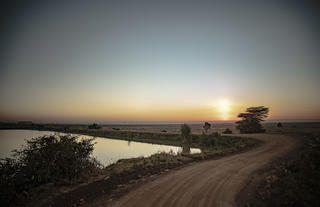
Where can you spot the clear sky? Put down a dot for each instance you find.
(158, 60)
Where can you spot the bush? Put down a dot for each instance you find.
(215, 134)
(48, 159)
(207, 141)
(227, 131)
(279, 124)
(94, 126)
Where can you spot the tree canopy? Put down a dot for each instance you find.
(251, 119)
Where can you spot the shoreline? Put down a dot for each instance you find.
(115, 184)
(131, 136)
(126, 171)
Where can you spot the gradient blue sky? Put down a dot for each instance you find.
(158, 61)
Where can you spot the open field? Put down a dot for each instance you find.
(170, 128)
(161, 133)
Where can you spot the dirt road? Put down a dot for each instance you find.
(209, 183)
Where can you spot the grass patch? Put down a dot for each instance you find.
(294, 182)
(161, 161)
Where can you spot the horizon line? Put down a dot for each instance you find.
(153, 122)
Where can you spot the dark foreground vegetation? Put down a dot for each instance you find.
(66, 161)
(48, 159)
(294, 181)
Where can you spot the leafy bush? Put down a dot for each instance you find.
(208, 141)
(216, 142)
(48, 159)
(227, 131)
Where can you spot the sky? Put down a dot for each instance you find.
(129, 61)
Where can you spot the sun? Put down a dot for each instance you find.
(224, 107)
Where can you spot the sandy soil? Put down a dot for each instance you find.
(209, 183)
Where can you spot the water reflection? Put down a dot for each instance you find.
(107, 151)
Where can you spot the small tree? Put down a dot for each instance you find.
(186, 138)
(250, 122)
(279, 124)
(206, 127)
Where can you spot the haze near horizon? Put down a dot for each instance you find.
(158, 61)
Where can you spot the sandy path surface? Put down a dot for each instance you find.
(211, 182)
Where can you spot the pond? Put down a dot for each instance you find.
(106, 150)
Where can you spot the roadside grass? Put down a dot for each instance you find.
(294, 182)
(160, 161)
(119, 173)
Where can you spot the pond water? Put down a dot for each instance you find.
(106, 150)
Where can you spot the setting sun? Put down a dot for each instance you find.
(223, 107)
(98, 96)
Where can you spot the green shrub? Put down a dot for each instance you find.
(215, 134)
(208, 141)
(227, 131)
(48, 159)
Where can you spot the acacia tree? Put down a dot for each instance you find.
(251, 119)
(206, 126)
(186, 138)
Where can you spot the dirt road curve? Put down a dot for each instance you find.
(208, 183)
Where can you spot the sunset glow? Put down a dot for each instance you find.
(114, 62)
(224, 109)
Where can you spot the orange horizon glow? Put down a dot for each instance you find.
(219, 110)
(100, 63)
